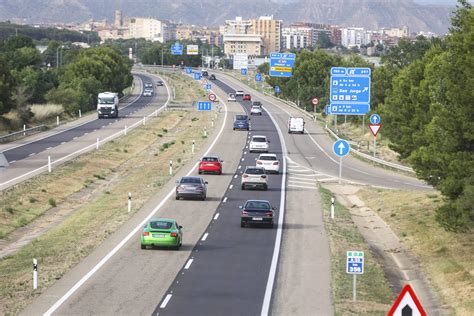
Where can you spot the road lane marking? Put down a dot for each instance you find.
(166, 300)
(231, 186)
(240, 167)
(49, 148)
(245, 153)
(74, 138)
(139, 227)
(13, 161)
(329, 179)
(242, 159)
(63, 143)
(303, 182)
(301, 186)
(204, 237)
(216, 216)
(224, 200)
(235, 177)
(188, 264)
(86, 134)
(32, 154)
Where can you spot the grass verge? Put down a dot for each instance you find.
(374, 294)
(446, 257)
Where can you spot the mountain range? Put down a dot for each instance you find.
(371, 14)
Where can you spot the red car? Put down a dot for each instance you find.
(210, 164)
(247, 97)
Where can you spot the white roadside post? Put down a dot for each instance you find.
(171, 167)
(80, 114)
(332, 207)
(192, 148)
(129, 202)
(125, 130)
(144, 120)
(205, 132)
(35, 274)
(24, 129)
(341, 148)
(49, 164)
(57, 120)
(212, 122)
(97, 143)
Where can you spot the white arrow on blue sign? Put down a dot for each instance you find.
(189, 70)
(341, 148)
(197, 76)
(277, 89)
(204, 106)
(258, 77)
(243, 71)
(375, 119)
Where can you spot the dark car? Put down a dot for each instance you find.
(160, 83)
(191, 187)
(212, 77)
(205, 73)
(241, 121)
(258, 212)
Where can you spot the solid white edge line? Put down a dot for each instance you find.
(109, 255)
(166, 300)
(301, 186)
(216, 216)
(235, 176)
(188, 264)
(281, 217)
(204, 237)
(303, 182)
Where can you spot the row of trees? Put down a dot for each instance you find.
(424, 91)
(62, 74)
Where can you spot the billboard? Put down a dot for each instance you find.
(241, 60)
(192, 50)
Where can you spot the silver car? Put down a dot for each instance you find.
(191, 187)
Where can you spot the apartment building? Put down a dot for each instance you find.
(250, 44)
(270, 30)
(295, 38)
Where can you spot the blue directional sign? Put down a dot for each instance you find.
(258, 77)
(207, 86)
(277, 89)
(374, 119)
(177, 49)
(341, 148)
(355, 262)
(197, 76)
(243, 71)
(281, 64)
(350, 86)
(204, 106)
(189, 70)
(348, 109)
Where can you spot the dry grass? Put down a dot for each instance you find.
(44, 112)
(446, 257)
(185, 87)
(374, 294)
(135, 163)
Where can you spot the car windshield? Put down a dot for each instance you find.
(160, 225)
(241, 117)
(258, 205)
(267, 158)
(259, 139)
(190, 180)
(210, 159)
(257, 103)
(106, 100)
(254, 171)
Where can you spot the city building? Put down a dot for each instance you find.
(295, 38)
(354, 37)
(396, 32)
(270, 30)
(251, 44)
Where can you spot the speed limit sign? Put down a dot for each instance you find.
(212, 97)
(315, 101)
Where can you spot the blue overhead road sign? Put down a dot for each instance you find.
(341, 148)
(375, 119)
(258, 77)
(177, 49)
(281, 64)
(350, 90)
(204, 106)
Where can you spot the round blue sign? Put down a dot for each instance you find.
(341, 148)
(374, 119)
(258, 77)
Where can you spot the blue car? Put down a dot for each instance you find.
(241, 121)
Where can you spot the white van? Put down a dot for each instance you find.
(296, 125)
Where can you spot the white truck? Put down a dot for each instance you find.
(295, 125)
(107, 104)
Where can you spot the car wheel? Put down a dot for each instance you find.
(234, 128)
(142, 246)
(177, 197)
(203, 198)
(219, 172)
(271, 225)
(200, 172)
(242, 224)
(260, 114)
(265, 187)
(243, 187)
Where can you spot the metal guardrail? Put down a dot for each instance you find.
(24, 132)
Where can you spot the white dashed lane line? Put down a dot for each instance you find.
(188, 264)
(224, 200)
(231, 186)
(32, 154)
(204, 237)
(216, 216)
(235, 176)
(166, 300)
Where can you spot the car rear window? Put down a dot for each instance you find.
(254, 171)
(241, 117)
(190, 180)
(160, 225)
(257, 205)
(267, 158)
(210, 159)
(259, 139)
(258, 103)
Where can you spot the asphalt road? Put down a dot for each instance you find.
(229, 271)
(27, 155)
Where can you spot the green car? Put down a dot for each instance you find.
(162, 232)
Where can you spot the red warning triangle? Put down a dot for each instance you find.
(407, 303)
(374, 128)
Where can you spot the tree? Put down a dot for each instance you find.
(6, 85)
(21, 95)
(324, 40)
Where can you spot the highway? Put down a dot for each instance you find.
(223, 269)
(27, 155)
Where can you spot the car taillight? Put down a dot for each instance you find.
(259, 162)
(146, 234)
(245, 213)
(269, 213)
(245, 176)
(174, 234)
(263, 176)
(275, 163)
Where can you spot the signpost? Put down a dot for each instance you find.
(407, 304)
(177, 49)
(197, 76)
(281, 64)
(207, 86)
(315, 102)
(258, 77)
(277, 89)
(189, 70)
(243, 71)
(355, 266)
(192, 50)
(374, 127)
(204, 106)
(350, 90)
(212, 97)
(341, 148)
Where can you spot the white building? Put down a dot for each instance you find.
(295, 38)
(354, 36)
(250, 44)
